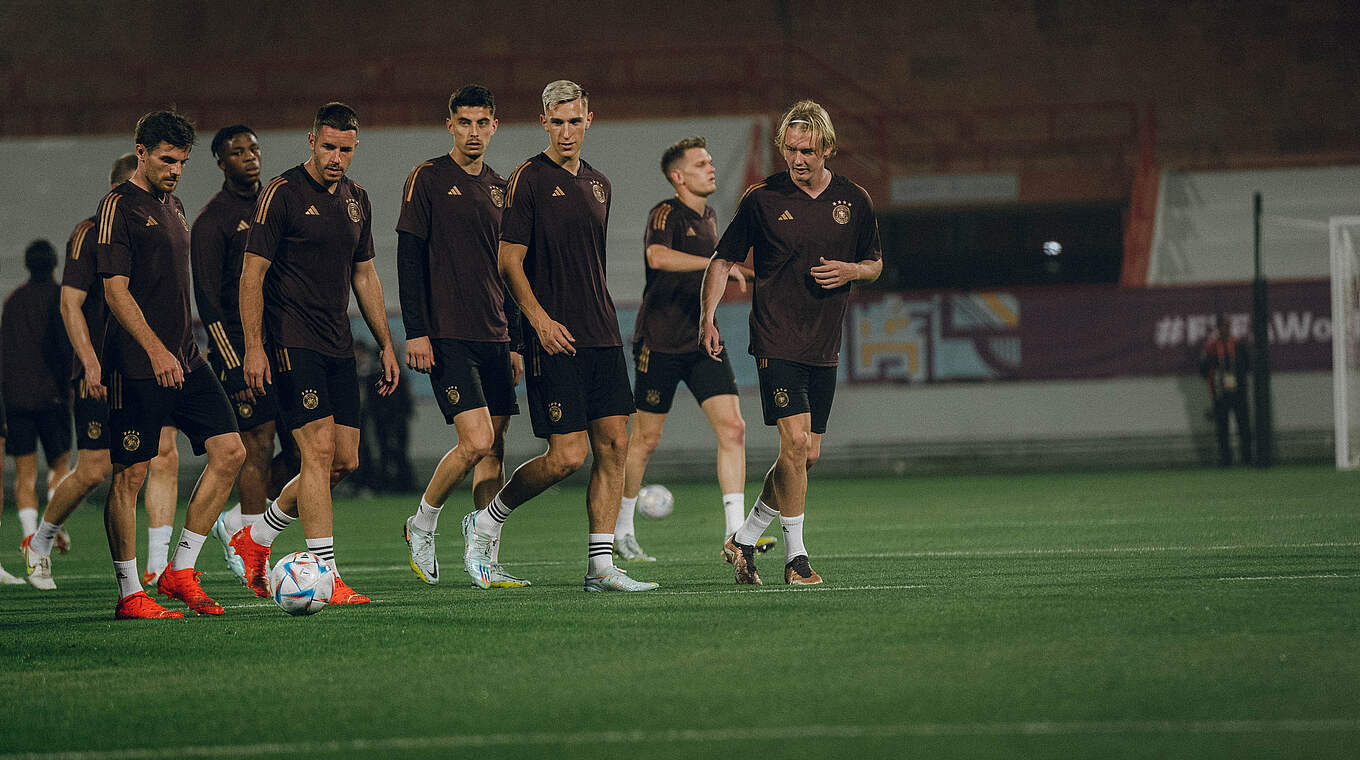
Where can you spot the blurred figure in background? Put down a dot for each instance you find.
(1224, 364)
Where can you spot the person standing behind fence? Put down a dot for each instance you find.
(1224, 364)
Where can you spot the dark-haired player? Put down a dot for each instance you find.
(218, 243)
(813, 234)
(310, 242)
(552, 256)
(155, 373)
(36, 364)
(84, 315)
(454, 309)
(682, 232)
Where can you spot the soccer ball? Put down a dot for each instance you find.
(301, 583)
(655, 502)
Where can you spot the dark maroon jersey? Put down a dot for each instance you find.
(459, 218)
(146, 239)
(562, 219)
(313, 237)
(669, 318)
(81, 272)
(219, 244)
(33, 348)
(792, 317)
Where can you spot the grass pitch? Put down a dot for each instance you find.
(1189, 614)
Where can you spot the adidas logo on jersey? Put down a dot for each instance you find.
(242, 226)
(455, 191)
(786, 217)
(557, 191)
(151, 222)
(311, 211)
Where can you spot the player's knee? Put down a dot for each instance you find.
(478, 445)
(227, 455)
(88, 475)
(647, 442)
(732, 433)
(566, 460)
(812, 457)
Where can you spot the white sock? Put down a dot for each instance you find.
(158, 547)
(793, 536)
(43, 538)
(599, 553)
(489, 521)
(756, 522)
(624, 525)
(734, 506)
(28, 519)
(267, 529)
(324, 549)
(251, 520)
(232, 519)
(186, 551)
(128, 581)
(427, 516)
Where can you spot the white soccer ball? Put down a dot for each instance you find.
(301, 583)
(655, 502)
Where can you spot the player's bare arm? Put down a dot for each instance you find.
(78, 330)
(169, 373)
(834, 274)
(368, 291)
(710, 293)
(256, 364)
(554, 335)
(668, 259)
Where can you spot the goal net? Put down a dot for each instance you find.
(1345, 243)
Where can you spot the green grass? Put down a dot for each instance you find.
(1190, 614)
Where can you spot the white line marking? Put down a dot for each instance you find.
(1285, 577)
(1066, 550)
(744, 733)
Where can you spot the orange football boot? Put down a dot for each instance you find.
(140, 606)
(183, 585)
(343, 594)
(256, 560)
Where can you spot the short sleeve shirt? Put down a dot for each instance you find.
(313, 237)
(34, 369)
(669, 318)
(459, 217)
(562, 219)
(792, 317)
(218, 245)
(81, 271)
(146, 239)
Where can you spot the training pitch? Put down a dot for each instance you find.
(1193, 614)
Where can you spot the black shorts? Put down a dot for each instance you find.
(92, 419)
(567, 392)
(788, 388)
(26, 426)
(470, 374)
(311, 386)
(249, 415)
(657, 374)
(138, 409)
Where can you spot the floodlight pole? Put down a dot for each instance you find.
(1260, 322)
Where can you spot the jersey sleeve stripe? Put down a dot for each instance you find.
(660, 216)
(82, 230)
(752, 189)
(513, 184)
(267, 197)
(411, 182)
(106, 218)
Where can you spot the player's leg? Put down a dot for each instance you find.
(345, 461)
(120, 523)
(821, 391)
(205, 415)
(6, 578)
(476, 436)
(92, 468)
(488, 475)
(655, 378)
(1243, 426)
(609, 405)
(25, 491)
(162, 497)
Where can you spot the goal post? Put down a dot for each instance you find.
(1344, 234)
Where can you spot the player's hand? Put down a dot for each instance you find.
(738, 276)
(516, 368)
(420, 354)
(246, 395)
(391, 372)
(169, 373)
(256, 368)
(834, 274)
(555, 337)
(92, 385)
(709, 340)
